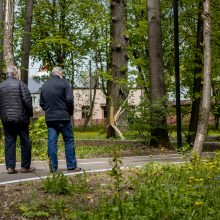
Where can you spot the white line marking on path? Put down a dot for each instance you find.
(94, 162)
(71, 174)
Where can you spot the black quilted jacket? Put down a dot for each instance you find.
(15, 101)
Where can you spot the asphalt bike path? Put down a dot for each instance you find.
(93, 165)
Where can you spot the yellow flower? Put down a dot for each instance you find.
(190, 168)
(199, 203)
(89, 197)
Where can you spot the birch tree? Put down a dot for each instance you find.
(8, 34)
(206, 94)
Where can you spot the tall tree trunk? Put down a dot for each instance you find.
(117, 86)
(8, 34)
(206, 98)
(26, 41)
(159, 134)
(1, 48)
(1, 39)
(197, 84)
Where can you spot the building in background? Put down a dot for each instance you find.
(82, 105)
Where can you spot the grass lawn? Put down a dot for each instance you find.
(39, 152)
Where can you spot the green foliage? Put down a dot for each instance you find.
(38, 136)
(116, 173)
(1, 133)
(145, 117)
(216, 109)
(32, 214)
(138, 44)
(32, 209)
(57, 183)
(187, 191)
(139, 121)
(156, 191)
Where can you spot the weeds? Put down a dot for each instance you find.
(116, 173)
(56, 183)
(157, 191)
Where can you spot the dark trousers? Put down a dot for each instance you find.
(12, 130)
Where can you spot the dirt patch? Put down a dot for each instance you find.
(31, 198)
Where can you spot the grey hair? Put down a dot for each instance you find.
(10, 71)
(57, 70)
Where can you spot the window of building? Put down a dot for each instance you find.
(104, 111)
(85, 111)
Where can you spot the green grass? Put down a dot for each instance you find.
(157, 191)
(85, 135)
(40, 152)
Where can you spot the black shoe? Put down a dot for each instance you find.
(12, 171)
(76, 169)
(54, 171)
(27, 170)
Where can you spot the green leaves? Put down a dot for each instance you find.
(56, 183)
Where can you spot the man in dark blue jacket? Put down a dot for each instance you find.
(56, 100)
(15, 112)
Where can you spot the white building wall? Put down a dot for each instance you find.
(82, 98)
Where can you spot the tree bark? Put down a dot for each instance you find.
(206, 98)
(26, 41)
(92, 96)
(8, 34)
(1, 48)
(1, 39)
(117, 85)
(159, 134)
(197, 84)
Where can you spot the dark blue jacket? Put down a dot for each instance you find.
(56, 99)
(15, 101)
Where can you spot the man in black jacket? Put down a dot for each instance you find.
(15, 112)
(56, 100)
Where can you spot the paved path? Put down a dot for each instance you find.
(89, 165)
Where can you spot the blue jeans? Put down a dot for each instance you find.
(11, 131)
(65, 128)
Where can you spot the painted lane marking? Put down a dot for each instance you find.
(71, 174)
